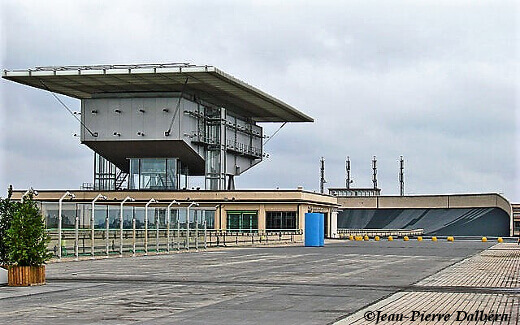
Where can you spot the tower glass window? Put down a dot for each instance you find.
(153, 174)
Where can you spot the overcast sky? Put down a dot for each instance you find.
(435, 81)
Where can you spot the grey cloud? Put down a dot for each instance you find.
(434, 81)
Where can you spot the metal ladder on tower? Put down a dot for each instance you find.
(121, 179)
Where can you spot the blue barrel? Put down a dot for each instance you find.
(314, 233)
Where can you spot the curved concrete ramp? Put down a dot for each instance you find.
(453, 221)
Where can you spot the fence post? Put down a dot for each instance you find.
(205, 235)
(178, 239)
(76, 238)
(133, 236)
(156, 233)
(187, 228)
(107, 240)
(168, 233)
(92, 234)
(196, 217)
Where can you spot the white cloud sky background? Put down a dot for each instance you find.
(435, 81)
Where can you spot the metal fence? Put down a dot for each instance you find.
(116, 242)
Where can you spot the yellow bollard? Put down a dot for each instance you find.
(358, 238)
(390, 238)
(500, 240)
(376, 238)
(484, 239)
(366, 238)
(419, 238)
(350, 237)
(405, 238)
(450, 238)
(434, 238)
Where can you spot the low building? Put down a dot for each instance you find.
(95, 223)
(237, 211)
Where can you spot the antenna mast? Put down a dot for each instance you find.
(322, 174)
(348, 181)
(374, 175)
(401, 175)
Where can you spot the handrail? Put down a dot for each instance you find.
(134, 240)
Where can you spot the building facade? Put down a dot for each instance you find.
(153, 127)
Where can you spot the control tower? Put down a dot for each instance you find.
(152, 126)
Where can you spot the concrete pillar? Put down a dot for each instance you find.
(301, 219)
(333, 223)
(223, 218)
(261, 218)
(217, 218)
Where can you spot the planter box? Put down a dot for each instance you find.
(22, 276)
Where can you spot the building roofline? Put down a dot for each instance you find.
(201, 196)
(210, 83)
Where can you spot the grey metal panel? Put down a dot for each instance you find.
(153, 122)
(152, 125)
(230, 164)
(188, 123)
(125, 125)
(245, 163)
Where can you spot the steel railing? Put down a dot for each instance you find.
(345, 232)
(78, 243)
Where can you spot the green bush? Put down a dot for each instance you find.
(26, 239)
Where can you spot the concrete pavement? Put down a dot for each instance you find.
(265, 285)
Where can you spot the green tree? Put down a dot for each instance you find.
(7, 209)
(26, 238)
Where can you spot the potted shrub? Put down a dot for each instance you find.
(26, 243)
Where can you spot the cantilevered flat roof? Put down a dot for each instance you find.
(206, 82)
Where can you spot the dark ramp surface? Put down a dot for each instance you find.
(267, 285)
(448, 222)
